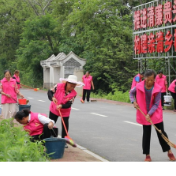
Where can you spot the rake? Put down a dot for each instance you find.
(162, 135)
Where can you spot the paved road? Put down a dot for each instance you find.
(108, 130)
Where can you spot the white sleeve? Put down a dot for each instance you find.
(44, 119)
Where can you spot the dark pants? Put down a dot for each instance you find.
(55, 117)
(85, 91)
(174, 97)
(147, 136)
(162, 98)
(47, 133)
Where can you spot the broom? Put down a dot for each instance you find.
(162, 135)
(69, 140)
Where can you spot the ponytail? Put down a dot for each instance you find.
(20, 114)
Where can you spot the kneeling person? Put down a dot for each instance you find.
(38, 125)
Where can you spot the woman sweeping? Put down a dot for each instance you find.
(62, 97)
(148, 99)
(38, 125)
(9, 91)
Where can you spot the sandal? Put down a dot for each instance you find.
(148, 159)
(171, 156)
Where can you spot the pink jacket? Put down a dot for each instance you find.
(172, 86)
(87, 81)
(134, 83)
(62, 99)
(157, 116)
(9, 87)
(34, 127)
(162, 82)
(17, 81)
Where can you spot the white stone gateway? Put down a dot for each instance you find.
(61, 66)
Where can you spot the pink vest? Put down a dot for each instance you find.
(17, 80)
(87, 82)
(62, 99)
(34, 127)
(162, 82)
(134, 83)
(157, 116)
(172, 86)
(8, 87)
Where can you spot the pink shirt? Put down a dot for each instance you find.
(87, 81)
(9, 87)
(172, 86)
(162, 82)
(17, 80)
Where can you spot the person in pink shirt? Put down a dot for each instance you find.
(137, 79)
(9, 91)
(148, 97)
(162, 81)
(88, 81)
(172, 89)
(17, 78)
(37, 125)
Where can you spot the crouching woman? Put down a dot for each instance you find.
(148, 99)
(37, 125)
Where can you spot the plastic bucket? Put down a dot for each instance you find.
(21, 107)
(56, 146)
(167, 100)
(22, 101)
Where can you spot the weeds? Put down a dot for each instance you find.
(15, 144)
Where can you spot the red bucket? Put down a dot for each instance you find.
(22, 101)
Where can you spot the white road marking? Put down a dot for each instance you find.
(133, 123)
(41, 100)
(89, 152)
(75, 109)
(98, 114)
(30, 98)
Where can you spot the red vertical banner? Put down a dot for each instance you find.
(137, 45)
(175, 39)
(137, 20)
(144, 43)
(143, 18)
(151, 43)
(168, 12)
(159, 15)
(160, 40)
(168, 41)
(151, 17)
(174, 10)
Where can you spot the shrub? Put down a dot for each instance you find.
(15, 144)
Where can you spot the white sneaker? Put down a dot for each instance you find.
(66, 146)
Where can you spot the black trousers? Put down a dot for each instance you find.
(174, 97)
(162, 98)
(66, 120)
(47, 133)
(85, 91)
(147, 136)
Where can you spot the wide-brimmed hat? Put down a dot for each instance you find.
(72, 79)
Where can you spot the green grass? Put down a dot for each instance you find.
(15, 144)
(116, 96)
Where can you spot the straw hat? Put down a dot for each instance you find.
(72, 79)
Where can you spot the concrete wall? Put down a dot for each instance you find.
(79, 73)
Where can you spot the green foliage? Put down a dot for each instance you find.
(116, 96)
(15, 144)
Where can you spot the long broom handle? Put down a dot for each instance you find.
(63, 122)
(26, 86)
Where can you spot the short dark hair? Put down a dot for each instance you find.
(149, 72)
(142, 73)
(7, 71)
(16, 71)
(20, 114)
(160, 72)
